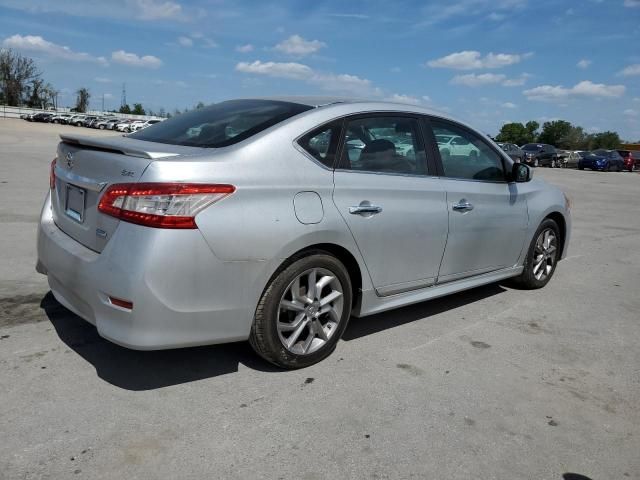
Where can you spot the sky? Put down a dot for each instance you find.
(487, 62)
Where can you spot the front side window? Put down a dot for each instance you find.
(220, 124)
(384, 144)
(322, 142)
(466, 155)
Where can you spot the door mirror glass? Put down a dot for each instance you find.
(521, 173)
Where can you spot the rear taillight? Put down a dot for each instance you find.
(161, 205)
(52, 175)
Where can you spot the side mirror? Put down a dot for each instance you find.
(520, 173)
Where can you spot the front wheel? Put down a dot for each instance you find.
(542, 257)
(303, 312)
(536, 163)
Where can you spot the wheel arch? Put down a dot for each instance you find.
(562, 225)
(341, 253)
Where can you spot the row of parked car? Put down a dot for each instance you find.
(544, 155)
(106, 122)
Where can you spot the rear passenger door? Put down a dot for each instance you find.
(391, 201)
(487, 215)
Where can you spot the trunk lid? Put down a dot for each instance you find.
(85, 166)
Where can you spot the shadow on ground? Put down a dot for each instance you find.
(148, 370)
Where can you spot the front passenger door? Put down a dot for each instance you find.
(487, 216)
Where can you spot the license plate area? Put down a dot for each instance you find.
(75, 203)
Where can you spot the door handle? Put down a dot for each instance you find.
(462, 206)
(365, 210)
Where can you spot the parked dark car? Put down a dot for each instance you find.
(513, 151)
(41, 117)
(602, 160)
(631, 159)
(540, 155)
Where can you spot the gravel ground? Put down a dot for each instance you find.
(494, 383)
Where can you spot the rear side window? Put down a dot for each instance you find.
(322, 143)
(465, 155)
(384, 144)
(221, 124)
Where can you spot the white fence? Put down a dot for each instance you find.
(15, 112)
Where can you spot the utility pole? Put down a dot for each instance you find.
(123, 99)
(103, 102)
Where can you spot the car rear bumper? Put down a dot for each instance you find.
(182, 294)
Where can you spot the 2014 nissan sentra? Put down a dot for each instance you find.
(275, 220)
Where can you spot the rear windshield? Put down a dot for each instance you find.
(532, 146)
(221, 124)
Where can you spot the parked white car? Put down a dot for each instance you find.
(139, 125)
(456, 145)
(77, 120)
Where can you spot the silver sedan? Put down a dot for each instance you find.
(275, 220)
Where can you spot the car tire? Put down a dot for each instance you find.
(297, 342)
(101, 127)
(539, 256)
(536, 163)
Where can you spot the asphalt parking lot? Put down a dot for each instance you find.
(494, 383)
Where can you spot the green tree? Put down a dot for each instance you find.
(532, 131)
(553, 132)
(82, 100)
(125, 109)
(16, 74)
(137, 109)
(574, 139)
(513, 133)
(200, 105)
(608, 140)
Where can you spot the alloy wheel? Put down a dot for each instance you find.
(309, 311)
(544, 255)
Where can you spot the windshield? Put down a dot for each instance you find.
(532, 147)
(443, 138)
(221, 124)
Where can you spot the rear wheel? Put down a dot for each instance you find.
(303, 312)
(542, 257)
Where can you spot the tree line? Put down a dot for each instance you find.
(559, 133)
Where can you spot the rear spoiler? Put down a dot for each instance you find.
(124, 146)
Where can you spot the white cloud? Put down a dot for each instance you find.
(584, 63)
(479, 80)
(244, 48)
(102, 80)
(400, 98)
(204, 41)
(436, 12)
(37, 44)
(293, 70)
(156, 10)
(496, 17)
(473, 80)
(631, 70)
(185, 41)
(630, 112)
(516, 82)
(509, 105)
(472, 59)
(343, 83)
(632, 3)
(585, 88)
(133, 60)
(107, 96)
(297, 46)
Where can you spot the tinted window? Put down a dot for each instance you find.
(383, 144)
(532, 147)
(469, 157)
(221, 124)
(321, 143)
